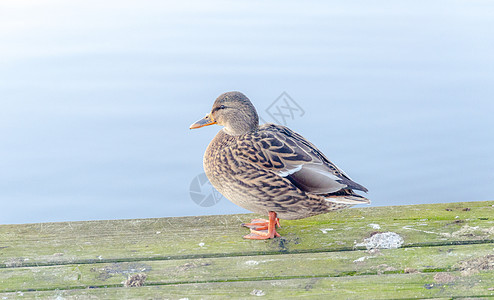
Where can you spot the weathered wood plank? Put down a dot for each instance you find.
(210, 236)
(207, 255)
(253, 268)
(387, 286)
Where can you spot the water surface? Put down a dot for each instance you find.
(96, 98)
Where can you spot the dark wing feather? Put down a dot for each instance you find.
(288, 154)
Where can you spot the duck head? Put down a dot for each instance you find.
(234, 111)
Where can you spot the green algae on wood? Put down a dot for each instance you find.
(248, 268)
(387, 286)
(194, 252)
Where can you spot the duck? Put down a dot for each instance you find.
(270, 169)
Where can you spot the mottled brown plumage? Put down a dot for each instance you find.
(270, 168)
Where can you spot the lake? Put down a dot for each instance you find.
(97, 99)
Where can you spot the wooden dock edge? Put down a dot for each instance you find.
(398, 252)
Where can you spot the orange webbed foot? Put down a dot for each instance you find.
(261, 229)
(257, 224)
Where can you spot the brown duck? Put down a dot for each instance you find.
(270, 169)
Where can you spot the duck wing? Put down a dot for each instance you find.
(290, 155)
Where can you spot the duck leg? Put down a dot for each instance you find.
(261, 229)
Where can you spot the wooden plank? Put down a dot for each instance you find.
(253, 268)
(207, 255)
(387, 286)
(213, 236)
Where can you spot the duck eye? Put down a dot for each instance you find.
(218, 108)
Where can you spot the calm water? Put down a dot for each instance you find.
(96, 98)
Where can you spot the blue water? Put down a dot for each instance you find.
(96, 98)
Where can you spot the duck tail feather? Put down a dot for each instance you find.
(348, 199)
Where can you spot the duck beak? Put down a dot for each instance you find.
(207, 120)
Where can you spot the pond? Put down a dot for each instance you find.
(97, 98)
